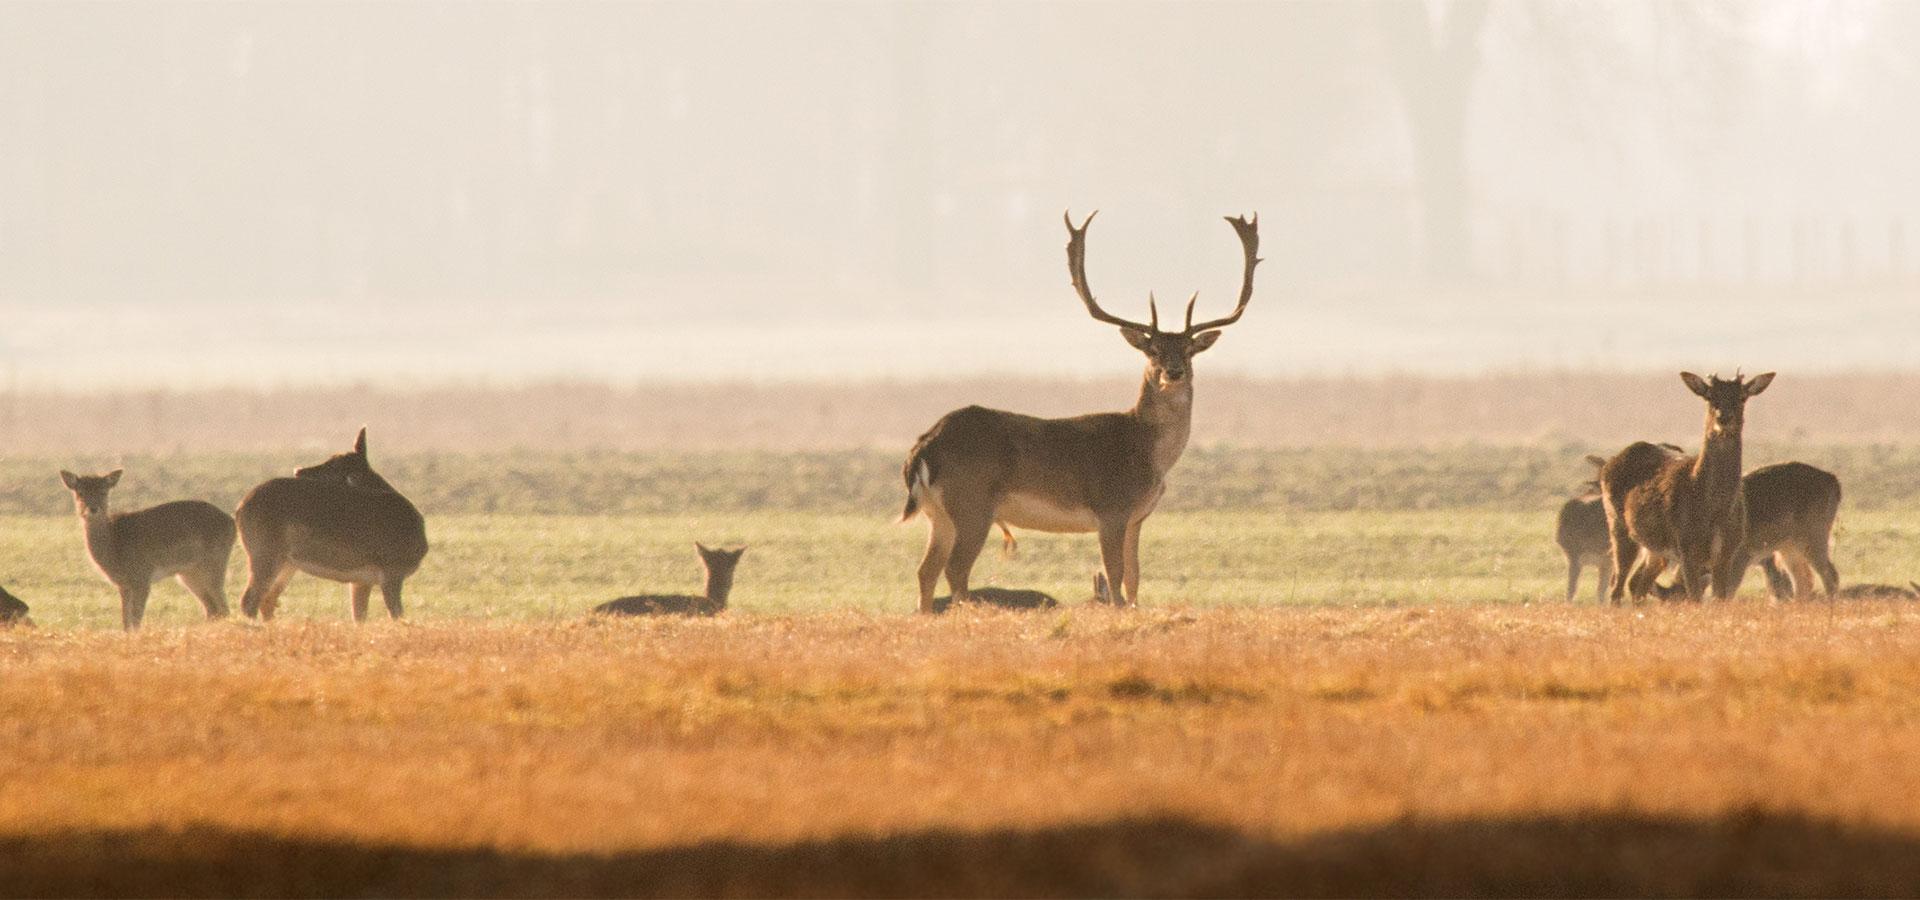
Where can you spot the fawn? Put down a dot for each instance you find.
(719, 564)
(188, 539)
(1004, 598)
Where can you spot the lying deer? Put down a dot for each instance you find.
(338, 520)
(719, 565)
(1102, 473)
(190, 540)
(13, 611)
(1004, 598)
(1687, 509)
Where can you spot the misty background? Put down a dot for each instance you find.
(283, 193)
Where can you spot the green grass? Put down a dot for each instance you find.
(531, 568)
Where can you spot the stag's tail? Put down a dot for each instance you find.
(918, 473)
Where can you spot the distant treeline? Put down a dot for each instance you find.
(868, 482)
(1556, 410)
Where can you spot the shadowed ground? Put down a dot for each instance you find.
(1745, 854)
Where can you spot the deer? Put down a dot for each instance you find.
(1100, 473)
(1790, 509)
(189, 540)
(13, 611)
(1003, 598)
(719, 565)
(1663, 508)
(338, 520)
(1581, 531)
(1909, 591)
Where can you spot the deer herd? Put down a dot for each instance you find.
(1648, 508)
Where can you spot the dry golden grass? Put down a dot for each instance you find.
(1546, 749)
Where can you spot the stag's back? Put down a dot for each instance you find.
(1790, 502)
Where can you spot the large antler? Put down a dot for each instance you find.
(1077, 268)
(1249, 231)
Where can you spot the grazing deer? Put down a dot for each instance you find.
(1790, 512)
(1663, 508)
(338, 520)
(13, 611)
(1004, 598)
(187, 539)
(1909, 591)
(719, 565)
(1102, 472)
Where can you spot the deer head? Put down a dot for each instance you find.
(90, 491)
(350, 468)
(1169, 353)
(1726, 398)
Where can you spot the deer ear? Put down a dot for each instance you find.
(1202, 341)
(113, 477)
(1140, 340)
(702, 548)
(360, 443)
(1759, 383)
(69, 479)
(1695, 383)
(1596, 460)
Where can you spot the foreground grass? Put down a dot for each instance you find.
(543, 568)
(1459, 749)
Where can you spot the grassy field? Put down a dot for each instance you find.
(1352, 673)
(1469, 749)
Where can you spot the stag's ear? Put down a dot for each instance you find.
(1140, 340)
(1695, 383)
(1759, 383)
(1596, 460)
(1202, 341)
(69, 479)
(113, 477)
(360, 443)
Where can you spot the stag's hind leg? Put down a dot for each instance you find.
(1573, 575)
(390, 595)
(208, 584)
(1822, 561)
(1625, 552)
(970, 533)
(940, 535)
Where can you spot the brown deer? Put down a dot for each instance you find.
(1102, 472)
(190, 540)
(1663, 508)
(13, 611)
(1581, 532)
(1790, 512)
(719, 564)
(1909, 591)
(338, 520)
(1004, 598)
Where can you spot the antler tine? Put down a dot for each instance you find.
(1077, 269)
(1190, 302)
(1249, 231)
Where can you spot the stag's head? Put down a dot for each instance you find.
(1169, 353)
(1726, 398)
(349, 468)
(90, 491)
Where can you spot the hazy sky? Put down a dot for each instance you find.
(270, 192)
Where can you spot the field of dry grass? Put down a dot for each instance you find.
(1744, 748)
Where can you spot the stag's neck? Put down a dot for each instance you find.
(1168, 416)
(1717, 470)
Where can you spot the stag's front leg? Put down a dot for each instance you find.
(1695, 564)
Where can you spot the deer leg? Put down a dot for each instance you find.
(1695, 564)
(209, 586)
(1131, 564)
(133, 603)
(940, 535)
(1802, 572)
(1731, 571)
(969, 536)
(264, 564)
(1642, 580)
(1822, 560)
(390, 595)
(1573, 574)
(1605, 578)
(1113, 558)
(358, 595)
(1778, 584)
(270, 593)
(1625, 551)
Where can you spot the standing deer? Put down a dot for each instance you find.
(1790, 512)
(1102, 472)
(338, 520)
(1662, 508)
(1581, 532)
(187, 539)
(712, 601)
